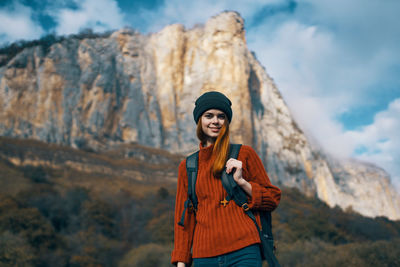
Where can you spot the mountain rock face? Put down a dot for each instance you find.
(130, 88)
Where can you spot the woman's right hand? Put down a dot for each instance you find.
(181, 264)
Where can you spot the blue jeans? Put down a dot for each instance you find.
(246, 257)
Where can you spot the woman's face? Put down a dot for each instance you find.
(212, 121)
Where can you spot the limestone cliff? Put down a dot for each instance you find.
(132, 88)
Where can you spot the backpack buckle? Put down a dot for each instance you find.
(245, 207)
(191, 208)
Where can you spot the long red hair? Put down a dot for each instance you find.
(221, 146)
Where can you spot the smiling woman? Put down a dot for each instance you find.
(216, 230)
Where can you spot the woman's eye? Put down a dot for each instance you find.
(221, 117)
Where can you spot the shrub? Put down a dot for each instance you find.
(15, 250)
(162, 228)
(148, 255)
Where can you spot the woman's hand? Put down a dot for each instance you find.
(181, 264)
(236, 166)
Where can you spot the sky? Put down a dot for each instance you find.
(336, 63)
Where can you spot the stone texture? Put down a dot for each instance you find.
(131, 88)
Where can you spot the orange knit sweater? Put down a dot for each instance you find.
(215, 229)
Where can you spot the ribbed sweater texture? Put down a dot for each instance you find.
(215, 229)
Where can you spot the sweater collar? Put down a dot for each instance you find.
(206, 152)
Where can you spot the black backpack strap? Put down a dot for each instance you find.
(236, 193)
(233, 190)
(268, 240)
(266, 223)
(191, 169)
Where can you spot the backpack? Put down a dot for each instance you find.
(236, 193)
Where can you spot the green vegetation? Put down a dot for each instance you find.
(309, 233)
(62, 217)
(46, 224)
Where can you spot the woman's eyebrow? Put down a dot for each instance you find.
(214, 113)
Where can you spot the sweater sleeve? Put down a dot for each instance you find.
(183, 235)
(265, 196)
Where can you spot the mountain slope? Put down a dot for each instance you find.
(55, 214)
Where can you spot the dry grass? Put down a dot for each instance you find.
(12, 180)
(107, 172)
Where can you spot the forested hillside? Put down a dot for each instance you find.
(55, 215)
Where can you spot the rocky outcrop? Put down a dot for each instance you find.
(131, 88)
(360, 186)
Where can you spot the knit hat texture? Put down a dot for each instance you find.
(212, 100)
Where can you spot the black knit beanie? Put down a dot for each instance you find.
(212, 100)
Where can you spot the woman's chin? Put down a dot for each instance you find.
(212, 138)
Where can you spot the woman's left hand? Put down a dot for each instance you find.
(236, 166)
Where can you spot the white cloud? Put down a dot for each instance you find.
(99, 15)
(323, 72)
(297, 56)
(16, 23)
(190, 13)
(381, 141)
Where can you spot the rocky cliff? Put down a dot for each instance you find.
(131, 88)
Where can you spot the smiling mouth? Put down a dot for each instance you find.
(215, 129)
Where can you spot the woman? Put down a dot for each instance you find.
(220, 233)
